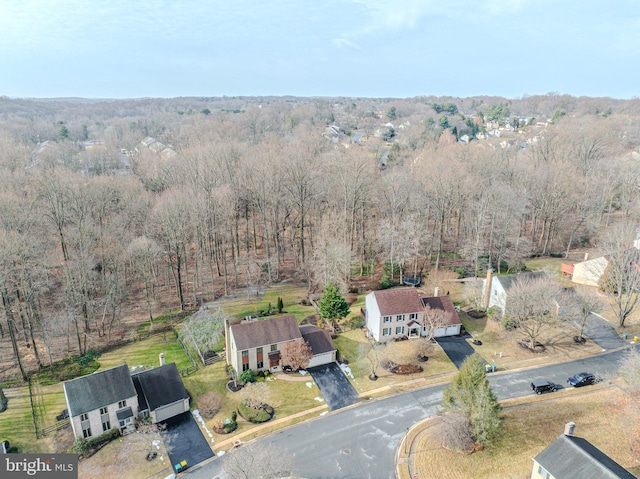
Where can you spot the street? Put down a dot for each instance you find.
(361, 442)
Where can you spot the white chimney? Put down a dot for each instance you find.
(161, 359)
(437, 291)
(569, 428)
(586, 256)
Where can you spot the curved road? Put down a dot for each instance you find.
(361, 442)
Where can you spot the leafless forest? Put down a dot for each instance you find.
(112, 212)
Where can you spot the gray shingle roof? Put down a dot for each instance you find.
(510, 279)
(266, 331)
(319, 340)
(571, 456)
(99, 389)
(161, 386)
(124, 413)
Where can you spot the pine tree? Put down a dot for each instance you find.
(280, 305)
(332, 305)
(471, 394)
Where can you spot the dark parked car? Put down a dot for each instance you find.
(582, 379)
(540, 386)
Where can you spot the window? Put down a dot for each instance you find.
(86, 432)
(413, 316)
(245, 367)
(400, 317)
(543, 472)
(400, 330)
(106, 425)
(259, 358)
(386, 332)
(124, 422)
(274, 347)
(104, 410)
(84, 417)
(387, 319)
(122, 404)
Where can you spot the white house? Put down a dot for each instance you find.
(495, 289)
(394, 313)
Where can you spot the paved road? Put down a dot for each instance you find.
(361, 442)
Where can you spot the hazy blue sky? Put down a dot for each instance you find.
(375, 48)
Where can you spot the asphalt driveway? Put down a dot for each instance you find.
(600, 331)
(457, 348)
(184, 440)
(334, 386)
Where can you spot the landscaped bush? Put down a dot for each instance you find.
(247, 376)
(356, 322)
(258, 414)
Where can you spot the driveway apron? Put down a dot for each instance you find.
(600, 331)
(457, 348)
(334, 386)
(184, 440)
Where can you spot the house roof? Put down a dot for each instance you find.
(318, 339)
(398, 301)
(99, 389)
(162, 386)
(142, 400)
(446, 304)
(571, 456)
(510, 279)
(253, 334)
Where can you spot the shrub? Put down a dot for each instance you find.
(209, 404)
(247, 376)
(356, 322)
(461, 272)
(255, 415)
(80, 446)
(108, 436)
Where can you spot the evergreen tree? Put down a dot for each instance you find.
(280, 305)
(471, 394)
(332, 305)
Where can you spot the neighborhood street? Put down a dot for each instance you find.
(361, 442)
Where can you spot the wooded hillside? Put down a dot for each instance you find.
(112, 212)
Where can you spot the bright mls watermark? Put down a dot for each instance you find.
(51, 466)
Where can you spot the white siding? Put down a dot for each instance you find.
(170, 410)
(95, 418)
(589, 272)
(320, 359)
(373, 316)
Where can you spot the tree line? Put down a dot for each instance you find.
(99, 232)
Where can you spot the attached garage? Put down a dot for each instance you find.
(161, 392)
(324, 352)
(170, 410)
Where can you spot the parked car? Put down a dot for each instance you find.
(540, 386)
(582, 379)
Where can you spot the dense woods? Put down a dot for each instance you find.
(112, 212)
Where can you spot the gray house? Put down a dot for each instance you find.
(571, 457)
(495, 289)
(114, 398)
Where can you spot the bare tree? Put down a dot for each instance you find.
(144, 255)
(423, 347)
(209, 404)
(434, 319)
(203, 330)
(533, 307)
(256, 394)
(296, 353)
(621, 277)
(630, 370)
(581, 304)
(257, 461)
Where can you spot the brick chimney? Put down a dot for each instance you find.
(569, 428)
(487, 292)
(227, 349)
(161, 359)
(437, 291)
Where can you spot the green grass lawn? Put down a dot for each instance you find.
(146, 353)
(245, 305)
(16, 424)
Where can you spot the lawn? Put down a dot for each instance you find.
(500, 346)
(243, 305)
(146, 353)
(527, 429)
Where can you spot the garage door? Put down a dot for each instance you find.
(169, 411)
(453, 330)
(320, 359)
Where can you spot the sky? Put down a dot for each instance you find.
(353, 48)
